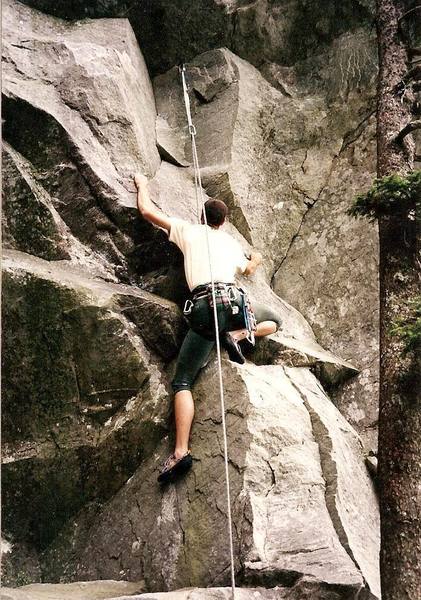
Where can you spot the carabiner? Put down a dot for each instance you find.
(188, 307)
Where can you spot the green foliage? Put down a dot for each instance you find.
(388, 196)
(408, 328)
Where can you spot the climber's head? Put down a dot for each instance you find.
(216, 212)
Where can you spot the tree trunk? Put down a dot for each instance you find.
(400, 410)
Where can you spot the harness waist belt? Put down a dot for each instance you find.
(201, 291)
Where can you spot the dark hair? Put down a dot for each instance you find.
(216, 211)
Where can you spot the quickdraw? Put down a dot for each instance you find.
(250, 322)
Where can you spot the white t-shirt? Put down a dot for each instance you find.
(227, 257)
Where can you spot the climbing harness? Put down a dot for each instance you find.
(225, 294)
(231, 298)
(201, 204)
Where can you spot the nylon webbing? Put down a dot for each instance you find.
(199, 195)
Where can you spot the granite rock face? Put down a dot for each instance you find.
(85, 590)
(87, 89)
(86, 395)
(264, 33)
(299, 489)
(92, 294)
(31, 222)
(288, 167)
(268, 155)
(305, 589)
(330, 274)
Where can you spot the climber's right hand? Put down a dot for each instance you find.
(140, 180)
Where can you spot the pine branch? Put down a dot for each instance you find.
(409, 128)
(413, 74)
(408, 12)
(411, 77)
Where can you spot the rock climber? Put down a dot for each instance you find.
(236, 319)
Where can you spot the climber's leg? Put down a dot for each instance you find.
(183, 414)
(268, 321)
(194, 353)
(263, 328)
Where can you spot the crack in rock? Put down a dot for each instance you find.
(309, 206)
(329, 472)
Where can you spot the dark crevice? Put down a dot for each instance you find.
(352, 136)
(169, 158)
(202, 99)
(52, 135)
(22, 47)
(273, 477)
(270, 577)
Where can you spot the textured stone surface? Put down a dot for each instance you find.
(31, 223)
(259, 31)
(86, 590)
(85, 398)
(305, 589)
(330, 274)
(342, 467)
(88, 359)
(19, 564)
(290, 453)
(85, 90)
(170, 143)
(235, 122)
(56, 312)
(304, 157)
(268, 155)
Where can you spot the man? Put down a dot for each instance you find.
(228, 261)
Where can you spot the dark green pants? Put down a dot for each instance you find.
(196, 348)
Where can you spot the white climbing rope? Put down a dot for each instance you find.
(199, 194)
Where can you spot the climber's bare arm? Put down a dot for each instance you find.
(148, 210)
(255, 260)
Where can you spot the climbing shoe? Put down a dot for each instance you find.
(232, 347)
(174, 468)
(247, 345)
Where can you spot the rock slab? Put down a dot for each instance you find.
(293, 462)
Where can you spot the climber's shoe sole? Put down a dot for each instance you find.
(173, 470)
(233, 348)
